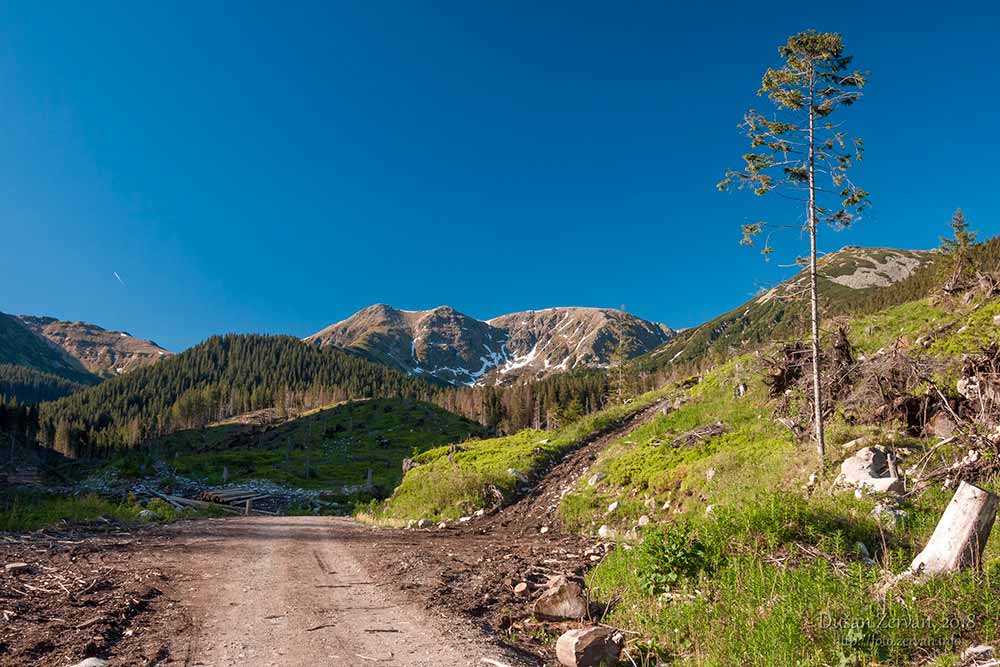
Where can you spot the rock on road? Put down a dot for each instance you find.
(290, 591)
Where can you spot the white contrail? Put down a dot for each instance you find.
(119, 278)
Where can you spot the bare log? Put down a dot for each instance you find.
(961, 534)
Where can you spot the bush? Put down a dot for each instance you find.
(668, 558)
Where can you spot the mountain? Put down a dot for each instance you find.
(102, 352)
(455, 348)
(852, 280)
(20, 346)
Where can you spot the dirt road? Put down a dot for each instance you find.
(300, 591)
(290, 591)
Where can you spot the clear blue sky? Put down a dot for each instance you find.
(245, 167)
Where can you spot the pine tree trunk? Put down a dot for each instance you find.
(814, 289)
(961, 534)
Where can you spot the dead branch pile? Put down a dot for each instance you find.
(700, 434)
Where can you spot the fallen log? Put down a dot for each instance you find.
(961, 534)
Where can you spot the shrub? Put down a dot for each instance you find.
(668, 558)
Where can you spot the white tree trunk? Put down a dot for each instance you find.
(814, 287)
(960, 536)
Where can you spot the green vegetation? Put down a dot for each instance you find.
(322, 449)
(22, 510)
(644, 470)
(448, 484)
(745, 563)
(220, 378)
(782, 582)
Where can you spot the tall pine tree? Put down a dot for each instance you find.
(798, 151)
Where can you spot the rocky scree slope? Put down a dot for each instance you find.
(102, 352)
(455, 348)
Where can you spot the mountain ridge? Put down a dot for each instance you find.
(455, 348)
(103, 352)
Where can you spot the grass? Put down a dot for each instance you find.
(773, 574)
(444, 487)
(644, 470)
(24, 510)
(324, 449)
(782, 584)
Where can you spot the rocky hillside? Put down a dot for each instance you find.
(21, 347)
(102, 352)
(852, 280)
(449, 346)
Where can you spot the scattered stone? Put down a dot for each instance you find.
(862, 551)
(562, 600)
(812, 480)
(612, 507)
(709, 474)
(479, 512)
(980, 653)
(518, 475)
(941, 425)
(606, 532)
(543, 530)
(595, 478)
(464, 519)
(868, 471)
(91, 662)
(443, 524)
(408, 465)
(666, 505)
(589, 647)
(16, 568)
(650, 503)
(643, 521)
(887, 514)
(521, 589)
(710, 510)
(426, 523)
(148, 515)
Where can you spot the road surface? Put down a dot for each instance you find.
(290, 591)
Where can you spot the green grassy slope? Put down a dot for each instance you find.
(744, 563)
(323, 449)
(444, 487)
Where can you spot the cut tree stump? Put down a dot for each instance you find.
(961, 534)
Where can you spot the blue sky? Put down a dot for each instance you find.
(245, 167)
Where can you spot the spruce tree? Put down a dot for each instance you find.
(798, 151)
(960, 266)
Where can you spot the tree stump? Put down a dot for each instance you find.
(961, 534)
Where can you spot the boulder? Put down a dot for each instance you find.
(408, 465)
(595, 478)
(589, 647)
(148, 515)
(563, 600)
(606, 532)
(867, 471)
(941, 425)
(424, 523)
